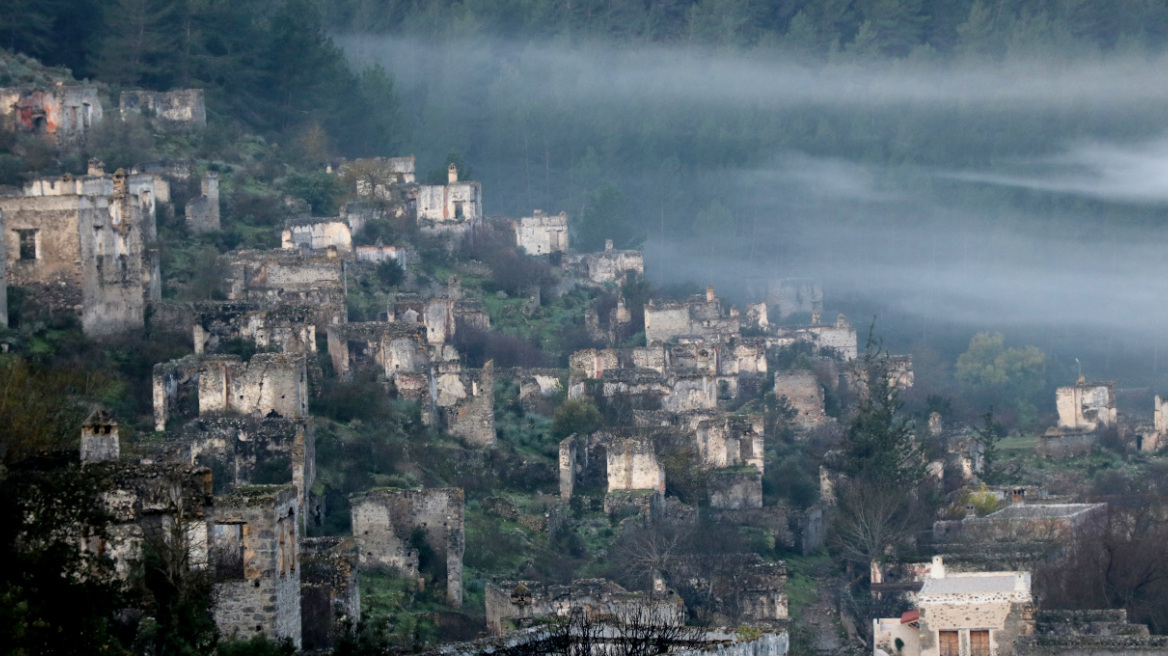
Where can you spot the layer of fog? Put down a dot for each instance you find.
(913, 243)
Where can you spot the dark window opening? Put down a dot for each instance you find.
(28, 244)
(458, 209)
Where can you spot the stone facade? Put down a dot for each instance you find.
(734, 489)
(254, 556)
(62, 114)
(1086, 406)
(633, 465)
(202, 211)
(802, 391)
(517, 604)
(99, 438)
(384, 522)
(443, 315)
(375, 177)
(330, 594)
(608, 266)
(309, 234)
(464, 404)
(250, 450)
(1089, 632)
(395, 350)
(181, 108)
(269, 383)
(698, 316)
(271, 279)
(379, 253)
(288, 328)
(538, 388)
(840, 337)
(455, 202)
(702, 642)
(86, 253)
(541, 234)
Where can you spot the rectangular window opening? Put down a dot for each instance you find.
(28, 244)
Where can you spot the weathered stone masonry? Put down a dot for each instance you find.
(384, 521)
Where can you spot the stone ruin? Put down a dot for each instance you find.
(840, 337)
(99, 438)
(169, 110)
(450, 209)
(802, 391)
(733, 447)
(376, 177)
(288, 328)
(1096, 632)
(202, 211)
(387, 520)
(795, 296)
(268, 384)
(443, 315)
(273, 279)
(310, 234)
(542, 234)
(1084, 411)
(3, 275)
(610, 266)
(696, 316)
(249, 450)
(84, 246)
(397, 351)
(518, 604)
(254, 557)
(330, 590)
(538, 388)
(463, 403)
(62, 114)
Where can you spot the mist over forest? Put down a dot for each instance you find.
(941, 195)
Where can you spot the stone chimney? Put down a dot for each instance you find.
(608, 244)
(451, 174)
(1018, 495)
(710, 294)
(938, 569)
(815, 317)
(99, 438)
(120, 182)
(970, 511)
(96, 167)
(841, 321)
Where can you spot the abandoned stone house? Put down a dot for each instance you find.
(1084, 411)
(378, 253)
(61, 113)
(801, 389)
(249, 450)
(314, 234)
(1097, 632)
(386, 521)
(330, 590)
(697, 316)
(442, 316)
(463, 403)
(202, 211)
(377, 176)
(450, 208)
(967, 614)
(288, 328)
(538, 388)
(610, 266)
(840, 337)
(81, 249)
(168, 110)
(542, 234)
(1019, 533)
(268, 384)
(254, 539)
(519, 604)
(273, 279)
(3, 275)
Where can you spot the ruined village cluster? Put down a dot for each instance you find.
(88, 245)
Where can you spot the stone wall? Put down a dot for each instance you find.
(62, 114)
(541, 234)
(465, 404)
(268, 383)
(1086, 406)
(250, 450)
(202, 211)
(384, 521)
(288, 328)
(704, 642)
(456, 202)
(517, 604)
(1057, 444)
(99, 438)
(608, 266)
(330, 595)
(86, 254)
(280, 278)
(3, 272)
(317, 235)
(254, 538)
(802, 391)
(181, 108)
(633, 465)
(389, 349)
(736, 488)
